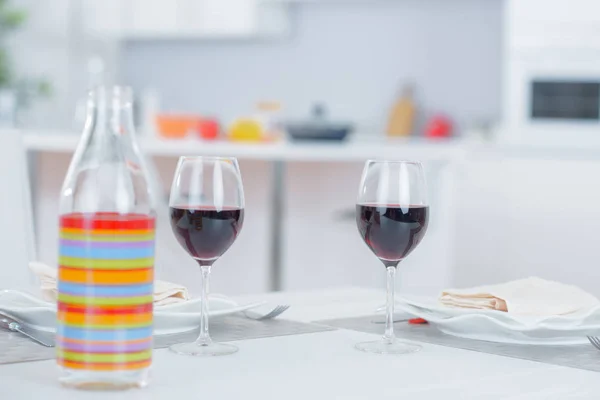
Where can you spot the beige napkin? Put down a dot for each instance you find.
(530, 296)
(164, 292)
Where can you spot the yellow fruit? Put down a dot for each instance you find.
(246, 130)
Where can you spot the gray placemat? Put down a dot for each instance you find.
(576, 356)
(16, 348)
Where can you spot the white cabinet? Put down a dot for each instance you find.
(190, 18)
(243, 268)
(222, 17)
(184, 19)
(553, 23)
(322, 247)
(102, 18)
(147, 17)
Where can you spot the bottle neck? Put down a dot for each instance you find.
(110, 114)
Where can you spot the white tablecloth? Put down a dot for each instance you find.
(325, 366)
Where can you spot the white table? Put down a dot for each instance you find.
(325, 366)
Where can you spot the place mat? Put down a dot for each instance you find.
(583, 356)
(15, 347)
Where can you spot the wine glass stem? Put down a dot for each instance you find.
(389, 317)
(204, 337)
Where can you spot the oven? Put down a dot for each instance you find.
(553, 97)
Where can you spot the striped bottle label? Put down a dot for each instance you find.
(105, 288)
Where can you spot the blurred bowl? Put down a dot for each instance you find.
(312, 131)
(176, 126)
(318, 127)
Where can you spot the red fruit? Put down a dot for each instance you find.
(208, 128)
(439, 127)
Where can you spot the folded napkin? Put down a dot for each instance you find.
(531, 296)
(164, 292)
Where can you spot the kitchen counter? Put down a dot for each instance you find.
(291, 189)
(355, 149)
(352, 150)
(300, 233)
(283, 182)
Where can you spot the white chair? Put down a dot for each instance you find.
(17, 244)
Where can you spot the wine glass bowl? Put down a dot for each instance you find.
(205, 233)
(392, 216)
(391, 231)
(206, 210)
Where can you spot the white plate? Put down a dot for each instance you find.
(185, 316)
(493, 326)
(172, 318)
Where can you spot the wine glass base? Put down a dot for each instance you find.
(385, 347)
(206, 350)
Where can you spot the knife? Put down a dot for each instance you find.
(14, 324)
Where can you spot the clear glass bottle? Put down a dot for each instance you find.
(106, 253)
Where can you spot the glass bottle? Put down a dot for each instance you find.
(106, 253)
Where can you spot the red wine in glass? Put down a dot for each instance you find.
(392, 231)
(205, 232)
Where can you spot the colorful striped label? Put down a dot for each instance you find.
(105, 291)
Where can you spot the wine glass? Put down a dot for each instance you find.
(392, 214)
(206, 210)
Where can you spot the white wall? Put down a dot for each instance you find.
(514, 218)
(17, 244)
(353, 56)
(53, 45)
(519, 218)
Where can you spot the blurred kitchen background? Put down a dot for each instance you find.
(499, 98)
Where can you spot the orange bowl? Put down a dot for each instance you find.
(173, 126)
